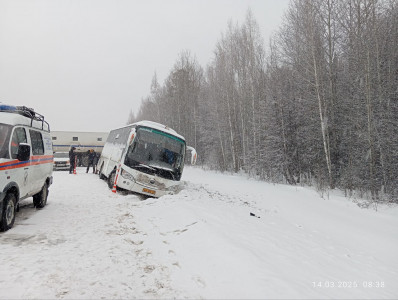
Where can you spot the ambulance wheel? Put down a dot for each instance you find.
(40, 199)
(8, 212)
(111, 179)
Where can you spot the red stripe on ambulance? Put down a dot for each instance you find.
(35, 160)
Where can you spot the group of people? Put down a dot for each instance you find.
(92, 160)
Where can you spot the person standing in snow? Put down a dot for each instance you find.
(92, 157)
(72, 159)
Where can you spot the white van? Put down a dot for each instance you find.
(26, 160)
(61, 161)
(144, 157)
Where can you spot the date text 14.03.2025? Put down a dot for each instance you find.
(348, 284)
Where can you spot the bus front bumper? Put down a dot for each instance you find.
(148, 190)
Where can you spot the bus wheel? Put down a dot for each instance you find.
(101, 176)
(111, 179)
(40, 199)
(8, 212)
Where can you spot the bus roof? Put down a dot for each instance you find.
(157, 126)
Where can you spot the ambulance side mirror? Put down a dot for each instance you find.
(193, 154)
(23, 152)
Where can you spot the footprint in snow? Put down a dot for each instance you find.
(149, 269)
(191, 224)
(199, 281)
(179, 231)
(135, 242)
(150, 291)
(62, 292)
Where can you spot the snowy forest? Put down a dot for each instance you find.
(315, 105)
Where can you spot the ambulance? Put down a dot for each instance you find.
(26, 160)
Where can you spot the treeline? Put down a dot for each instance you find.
(318, 107)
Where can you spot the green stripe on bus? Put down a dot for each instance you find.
(163, 133)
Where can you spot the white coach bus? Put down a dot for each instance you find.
(144, 157)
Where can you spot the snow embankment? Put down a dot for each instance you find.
(222, 236)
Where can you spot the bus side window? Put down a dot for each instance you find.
(19, 136)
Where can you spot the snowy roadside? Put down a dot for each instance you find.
(202, 243)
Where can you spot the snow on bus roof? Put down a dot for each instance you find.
(158, 126)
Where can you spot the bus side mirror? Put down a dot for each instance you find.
(193, 154)
(23, 152)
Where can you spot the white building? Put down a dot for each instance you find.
(83, 141)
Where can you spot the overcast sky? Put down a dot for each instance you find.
(85, 64)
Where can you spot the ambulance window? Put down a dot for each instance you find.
(37, 142)
(5, 132)
(19, 136)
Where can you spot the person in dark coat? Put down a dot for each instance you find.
(72, 159)
(92, 157)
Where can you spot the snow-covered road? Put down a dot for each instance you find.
(202, 243)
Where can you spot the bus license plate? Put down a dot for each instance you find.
(148, 191)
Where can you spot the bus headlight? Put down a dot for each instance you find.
(127, 175)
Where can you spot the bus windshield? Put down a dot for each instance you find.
(156, 152)
(5, 131)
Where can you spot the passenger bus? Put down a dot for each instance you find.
(144, 157)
